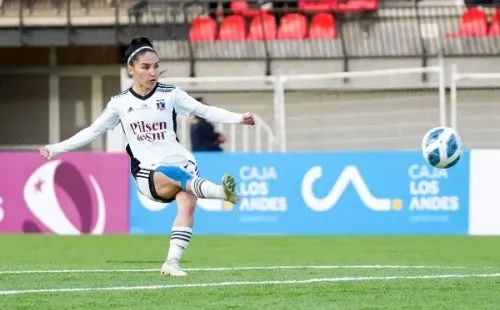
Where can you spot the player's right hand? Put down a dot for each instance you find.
(248, 119)
(44, 151)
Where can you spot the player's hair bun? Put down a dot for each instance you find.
(136, 48)
(140, 41)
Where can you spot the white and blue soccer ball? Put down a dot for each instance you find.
(442, 147)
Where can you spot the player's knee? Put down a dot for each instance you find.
(177, 174)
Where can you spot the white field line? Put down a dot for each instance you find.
(232, 269)
(245, 283)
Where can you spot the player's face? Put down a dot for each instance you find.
(145, 70)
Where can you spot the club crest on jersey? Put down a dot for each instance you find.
(160, 104)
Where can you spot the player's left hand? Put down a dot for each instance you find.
(248, 119)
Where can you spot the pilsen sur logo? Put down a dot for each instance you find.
(149, 131)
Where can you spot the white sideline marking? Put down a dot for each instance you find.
(232, 269)
(243, 283)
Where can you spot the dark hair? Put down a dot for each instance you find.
(200, 99)
(135, 44)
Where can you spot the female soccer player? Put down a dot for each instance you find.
(163, 170)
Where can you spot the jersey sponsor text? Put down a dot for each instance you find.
(150, 132)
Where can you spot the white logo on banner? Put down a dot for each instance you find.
(255, 188)
(42, 201)
(350, 174)
(2, 212)
(425, 190)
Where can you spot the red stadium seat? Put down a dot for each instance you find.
(232, 28)
(238, 6)
(322, 27)
(262, 27)
(356, 6)
(292, 26)
(495, 24)
(474, 23)
(202, 29)
(317, 6)
(242, 7)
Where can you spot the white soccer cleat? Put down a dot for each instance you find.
(171, 268)
(229, 186)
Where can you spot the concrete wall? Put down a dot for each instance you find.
(257, 68)
(24, 95)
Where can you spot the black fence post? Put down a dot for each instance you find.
(192, 58)
(68, 22)
(422, 43)
(21, 23)
(345, 54)
(266, 47)
(166, 23)
(117, 5)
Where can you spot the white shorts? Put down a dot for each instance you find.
(145, 184)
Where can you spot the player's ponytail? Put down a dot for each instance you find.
(137, 47)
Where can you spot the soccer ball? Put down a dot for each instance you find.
(442, 147)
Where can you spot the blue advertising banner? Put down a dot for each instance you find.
(351, 193)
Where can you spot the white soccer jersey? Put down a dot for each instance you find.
(149, 124)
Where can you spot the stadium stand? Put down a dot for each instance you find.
(232, 28)
(262, 27)
(495, 24)
(312, 6)
(203, 28)
(242, 7)
(473, 23)
(326, 32)
(333, 28)
(292, 26)
(322, 27)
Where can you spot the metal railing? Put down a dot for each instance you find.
(489, 81)
(277, 85)
(474, 107)
(263, 137)
(415, 29)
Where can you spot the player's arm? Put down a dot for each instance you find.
(108, 120)
(188, 106)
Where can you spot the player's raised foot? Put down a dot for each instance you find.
(171, 268)
(229, 186)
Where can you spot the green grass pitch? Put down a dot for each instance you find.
(250, 273)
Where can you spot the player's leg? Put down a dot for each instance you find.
(169, 180)
(182, 230)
